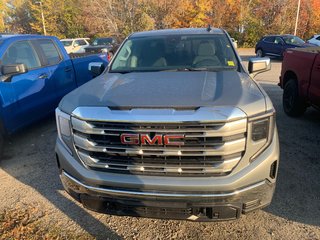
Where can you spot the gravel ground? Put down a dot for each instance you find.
(33, 204)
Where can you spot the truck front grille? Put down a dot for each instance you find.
(209, 149)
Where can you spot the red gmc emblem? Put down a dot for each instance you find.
(145, 139)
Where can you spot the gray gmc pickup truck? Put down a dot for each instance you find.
(175, 128)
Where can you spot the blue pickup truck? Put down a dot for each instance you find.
(35, 73)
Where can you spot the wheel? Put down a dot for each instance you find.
(260, 53)
(293, 105)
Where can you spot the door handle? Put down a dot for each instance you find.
(67, 69)
(43, 76)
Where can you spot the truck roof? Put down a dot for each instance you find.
(22, 36)
(4, 35)
(179, 31)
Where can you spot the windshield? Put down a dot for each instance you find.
(102, 41)
(207, 52)
(66, 43)
(293, 40)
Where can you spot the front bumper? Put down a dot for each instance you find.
(186, 206)
(246, 189)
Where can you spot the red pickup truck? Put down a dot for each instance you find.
(300, 80)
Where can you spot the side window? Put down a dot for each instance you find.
(50, 51)
(122, 60)
(269, 39)
(81, 42)
(21, 52)
(318, 38)
(278, 40)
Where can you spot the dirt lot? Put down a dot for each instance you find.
(33, 204)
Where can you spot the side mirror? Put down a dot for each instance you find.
(259, 65)
(13, 69)
(96, 68)
(76, 45)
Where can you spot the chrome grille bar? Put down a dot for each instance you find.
(226, 148)
(222, 130)
(218, 167)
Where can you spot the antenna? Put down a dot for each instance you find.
(209, 28)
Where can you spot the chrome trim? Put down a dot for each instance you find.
(221, 129)
(170, 115)
(218, 167)
(269, 113)
(208, 133)
(71, 183)
(227, 148)
(272, 125)
(258, 65)
(95, 64)
(272, 54)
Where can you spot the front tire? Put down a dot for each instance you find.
(1, 144)
(260, 53)
(293, 104)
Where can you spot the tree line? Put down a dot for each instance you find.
(245, 20)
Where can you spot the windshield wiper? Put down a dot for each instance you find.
(121, 72)
(198, 69)
(201, 69)
(183, 69)
(131, 71)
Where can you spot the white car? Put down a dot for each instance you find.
(75, 45)
(315, 40)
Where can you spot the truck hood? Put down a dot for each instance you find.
(178, 90)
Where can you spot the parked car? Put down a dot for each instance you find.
(103, 45)
(300, 80)
(315, 40)
(174, 128)
(35, 73)
(275, 45)
(75, 45)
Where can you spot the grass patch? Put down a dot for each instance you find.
(28, 224)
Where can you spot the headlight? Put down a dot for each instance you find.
(261, 132)
(104, 50)
(64, 129)
(260, 129)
